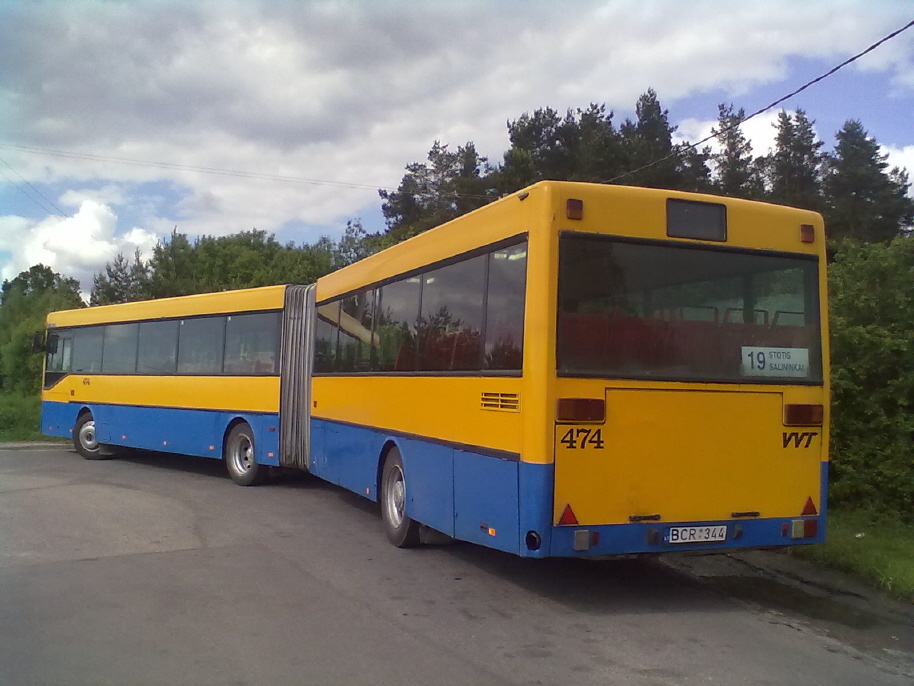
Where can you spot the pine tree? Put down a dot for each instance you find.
(121, 282)
(793, 171)
(448, 185)
(737, 173)
(862, 199)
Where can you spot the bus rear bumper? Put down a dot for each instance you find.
(665, 537)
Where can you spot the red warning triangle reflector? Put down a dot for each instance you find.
(809, 508)
(568, 518)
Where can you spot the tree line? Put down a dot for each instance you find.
(867, 210)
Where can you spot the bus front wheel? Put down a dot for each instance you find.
(240, 457)
(402, 531)
(85, 440)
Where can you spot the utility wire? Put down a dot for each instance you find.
(342, 184)
(42, 195)
(802, 88)
(23, 191)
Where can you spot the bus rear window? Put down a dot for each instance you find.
(661, 311)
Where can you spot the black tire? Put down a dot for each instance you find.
(241, 457)
(85, 440)
(401, 531)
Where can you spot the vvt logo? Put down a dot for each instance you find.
(796, 439)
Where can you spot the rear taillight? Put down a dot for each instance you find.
(803, 415)
(581, 410)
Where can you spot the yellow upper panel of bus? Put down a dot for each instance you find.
(615, 210)
(246, 300)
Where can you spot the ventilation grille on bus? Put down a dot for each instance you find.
(506, 402)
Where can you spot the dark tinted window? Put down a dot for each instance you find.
(251, 343)
(701, 220)
(636, 310)
(442, 320)
(60, 351)
(505, 308)
(158, 350)
(119, 355)
(326, 336)
(398, 312)
(358, 342)
(451, 321)
(200, 345)
(87, 349)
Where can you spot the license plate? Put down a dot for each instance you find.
(696, 534)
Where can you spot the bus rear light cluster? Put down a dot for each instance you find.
(803, 415)
(804, 528)
(581, 410)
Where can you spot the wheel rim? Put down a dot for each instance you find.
(395, 496)
(87, 436)
(242, 454)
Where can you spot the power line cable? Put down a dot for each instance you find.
(802, 88)
(361, 186)
(32, 198)
(50, 202)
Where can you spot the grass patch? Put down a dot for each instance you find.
(878, 550)
(20, 417)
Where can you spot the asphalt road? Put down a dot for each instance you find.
(157, 569)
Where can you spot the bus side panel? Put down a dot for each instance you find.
(187, 432)
(58, 418)
(430, 487)
(486, 509)
(346, 455)
(535, 500)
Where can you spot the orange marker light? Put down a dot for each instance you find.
(807, 233)
(574, 208)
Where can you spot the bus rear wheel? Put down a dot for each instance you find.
(402, 531)
(240, 457)
(85, 440)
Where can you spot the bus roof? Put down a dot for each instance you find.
(246, 300)
(641, 210)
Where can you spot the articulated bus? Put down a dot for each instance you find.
(573, 370)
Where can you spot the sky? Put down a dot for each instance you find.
(111, 113)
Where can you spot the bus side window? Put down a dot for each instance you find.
(87, 349)
(120, 348)
(158, 348)
(357, 338)
(505, 308)
(250, 343)
(325, 337)
(398, 312)
(200, 345)
(452, 310)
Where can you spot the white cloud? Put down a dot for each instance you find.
(348, 93)
(903, 158)
(759, 131)
(109, 194)
(78, 246)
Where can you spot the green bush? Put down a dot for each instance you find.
(871, 290)
(19, 417)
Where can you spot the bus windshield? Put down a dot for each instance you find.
(686, 313)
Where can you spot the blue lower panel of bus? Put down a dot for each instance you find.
(471, 496)
(490, 500)
(189, 432)
(507, 504)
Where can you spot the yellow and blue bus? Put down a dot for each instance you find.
(573, 370)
